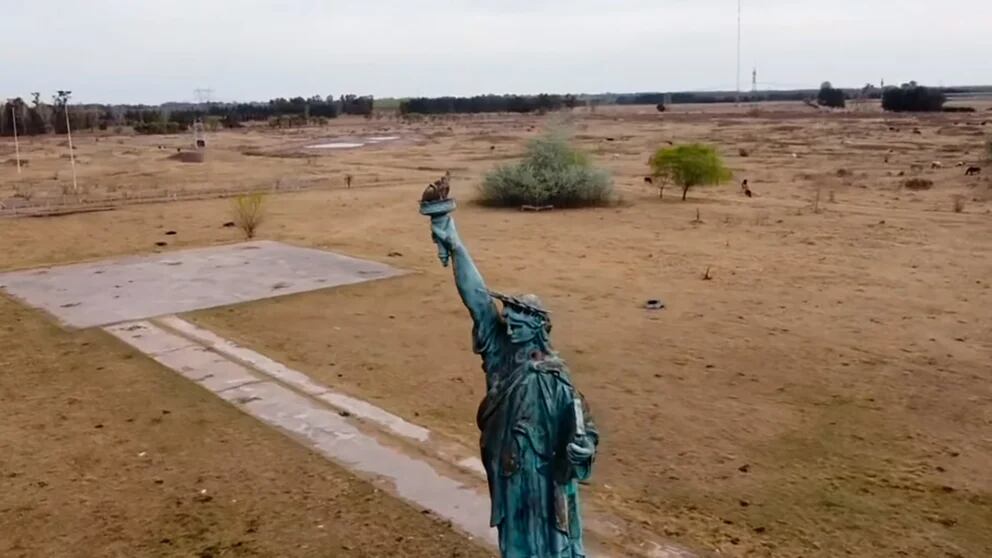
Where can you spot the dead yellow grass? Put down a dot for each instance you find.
(105, 453)
(825, 393)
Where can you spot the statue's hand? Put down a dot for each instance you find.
(442, 233)
(444, 236)
(580, 450)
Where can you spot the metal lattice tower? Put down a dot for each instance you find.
(203, 95)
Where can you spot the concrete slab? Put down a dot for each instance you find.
(136, 288)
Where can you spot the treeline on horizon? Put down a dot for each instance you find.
(546, 102)
(41, 117)
(543, 102)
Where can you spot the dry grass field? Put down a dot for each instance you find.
(827, 392)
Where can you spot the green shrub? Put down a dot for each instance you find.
(551, 173)
(830, 97)
(687, 166)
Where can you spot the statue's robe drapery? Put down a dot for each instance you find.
(527, 419)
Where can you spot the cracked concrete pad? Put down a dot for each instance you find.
(141, 287)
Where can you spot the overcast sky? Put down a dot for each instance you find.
(131, 51)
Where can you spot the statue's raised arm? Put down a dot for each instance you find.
(436, 204)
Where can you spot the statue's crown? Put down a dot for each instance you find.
(528, 302)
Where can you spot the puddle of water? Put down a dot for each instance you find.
(353, 144)
(336, 145)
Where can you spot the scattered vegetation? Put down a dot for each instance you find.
(817, 194)
(551, 173)
(687, 166)
(23, 191)
(830, 97)
(248, 212)
(917, 184)
(959, 203)
(159, 127)
(911, 97)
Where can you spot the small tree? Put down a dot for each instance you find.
(248, 210)
(689, 165)
(910, 97)
(830, 97)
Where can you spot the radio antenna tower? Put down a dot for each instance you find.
(739, 52)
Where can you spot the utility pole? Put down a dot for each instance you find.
(63, 96)
(17, 147)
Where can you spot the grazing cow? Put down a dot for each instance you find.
(973, 171)
(917, 131)
(936, 165)
(959, 164)
(648, 180)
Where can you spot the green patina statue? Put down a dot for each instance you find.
(538, 439)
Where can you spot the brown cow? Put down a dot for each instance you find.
(972, 171)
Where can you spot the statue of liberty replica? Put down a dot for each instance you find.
(538, 440)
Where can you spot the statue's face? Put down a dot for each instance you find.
(522, 327)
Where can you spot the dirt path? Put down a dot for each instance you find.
(105, 453)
